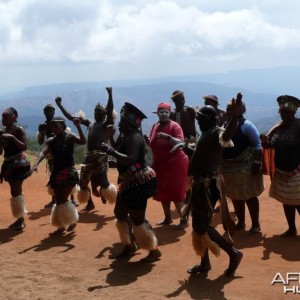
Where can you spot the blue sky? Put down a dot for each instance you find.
(45, 42)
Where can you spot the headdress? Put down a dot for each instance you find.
(132, 114)
(176, 94)
(213, 98)
(287, 102)
(100, 106)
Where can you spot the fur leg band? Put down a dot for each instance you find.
(54, 218)
(202, 242)
(83, 195)
(124, 228)
(67, 213)
(18, 206)
(145, 236)
(109, 194)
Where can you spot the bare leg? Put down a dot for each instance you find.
(234, 254)
(183, 221)
(253, 207)
(290, 214)
(167, 211)
(239, 208)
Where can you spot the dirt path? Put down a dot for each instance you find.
(36, 265)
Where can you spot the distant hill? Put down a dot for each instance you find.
(262, 108)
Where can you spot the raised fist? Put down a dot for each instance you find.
(58, 100)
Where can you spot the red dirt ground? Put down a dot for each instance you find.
(36, 265)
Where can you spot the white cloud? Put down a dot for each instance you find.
(159, 35)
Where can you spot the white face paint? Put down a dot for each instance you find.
(163, 114)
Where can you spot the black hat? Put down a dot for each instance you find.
(288, 102)
(132, 114)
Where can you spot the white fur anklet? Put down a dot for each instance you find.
(83, 195)
(110, 193)
(124, 229)
(54, 218)
(18, 206)
(67, 213)
(145, 236)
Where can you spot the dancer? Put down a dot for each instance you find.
(137, 183)
(207, 187)
(45, 132)
(16, 165)
(64, 175)
(95, 165)
(284, 138)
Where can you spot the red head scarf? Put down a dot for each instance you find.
(164, 105)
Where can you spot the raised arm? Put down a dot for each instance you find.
(233, 122)
(68, 115)
(81, 140)
(110, 106)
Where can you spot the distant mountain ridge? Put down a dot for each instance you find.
(146, 94)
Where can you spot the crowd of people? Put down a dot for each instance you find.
(194, 169)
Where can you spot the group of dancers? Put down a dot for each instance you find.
(193, 171)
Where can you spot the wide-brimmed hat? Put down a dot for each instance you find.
(213, 98)
(176, 94)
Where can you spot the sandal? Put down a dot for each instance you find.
(153, 255)
(182, 225)
(199, 269)
(255, 229)
(164, 222)
(129, 250)
(20, 226)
